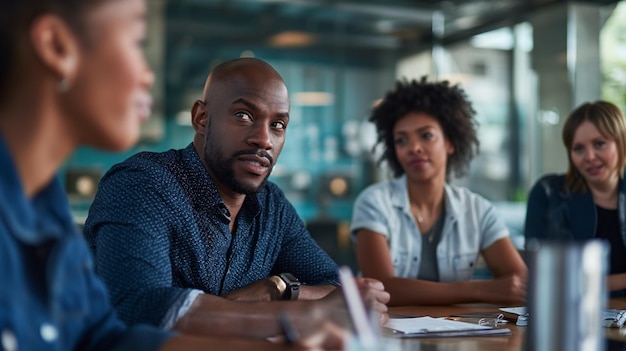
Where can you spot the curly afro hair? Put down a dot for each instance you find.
(446, 103)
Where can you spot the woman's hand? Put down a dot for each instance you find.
(509, 290)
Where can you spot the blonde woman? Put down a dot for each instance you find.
(589, 201)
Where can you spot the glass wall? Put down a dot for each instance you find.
(523, 70)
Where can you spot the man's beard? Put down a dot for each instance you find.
(223, 169)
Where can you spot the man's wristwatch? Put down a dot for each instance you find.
(287, 285)
(293, 286)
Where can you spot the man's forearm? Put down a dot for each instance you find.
(213, 315)
(212, 343)
(266, 290)
(314, 292)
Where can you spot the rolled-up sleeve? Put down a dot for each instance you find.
(492, 226)
(370, 213)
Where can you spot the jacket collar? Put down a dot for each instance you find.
(34, 220)
(581, 207)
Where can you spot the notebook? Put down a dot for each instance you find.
(429, 327)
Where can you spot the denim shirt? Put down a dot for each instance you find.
(470, 226)
(50, 297)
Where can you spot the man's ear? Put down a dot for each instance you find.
(55, 45)
(199, 116)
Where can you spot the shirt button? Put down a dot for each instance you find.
(48, 332)
(9, 341)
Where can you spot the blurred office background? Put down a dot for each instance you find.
(524, 63)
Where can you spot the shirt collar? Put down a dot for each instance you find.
(400, 193)
(35, 220)
(452, 205)
(400, 197)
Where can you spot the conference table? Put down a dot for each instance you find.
(616, 338)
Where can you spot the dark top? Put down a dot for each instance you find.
(558, 214)
(608, 228)
(554, 213)
(157, 230)
(50, 297)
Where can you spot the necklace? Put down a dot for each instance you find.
(430, 234)
(419, 217)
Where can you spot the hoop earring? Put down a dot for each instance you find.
(63, 86)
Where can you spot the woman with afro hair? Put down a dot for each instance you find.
(418, 234)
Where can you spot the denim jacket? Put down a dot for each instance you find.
(50, 297)
(555, 213)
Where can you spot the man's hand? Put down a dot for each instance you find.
(374, 295)
(328, 336)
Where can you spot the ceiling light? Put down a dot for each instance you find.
(501, 39)
(313, 98)
(292, 39)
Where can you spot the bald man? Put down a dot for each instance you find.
(197, 239)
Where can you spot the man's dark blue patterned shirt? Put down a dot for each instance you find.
(158, 230)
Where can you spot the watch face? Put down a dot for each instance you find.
(289, 278)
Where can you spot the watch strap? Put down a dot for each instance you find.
(293, 286)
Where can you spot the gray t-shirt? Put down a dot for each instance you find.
(429, 269)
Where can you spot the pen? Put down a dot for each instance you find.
(288, 328)
(363, 324)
